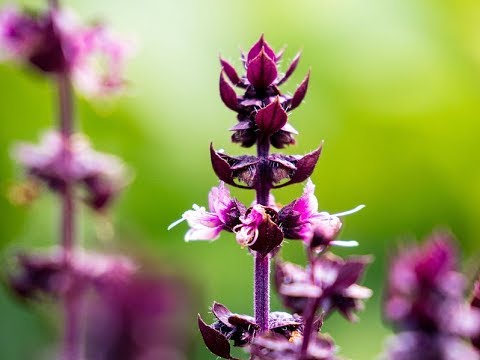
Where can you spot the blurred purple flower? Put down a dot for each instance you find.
(145, 317)
(425, 302)
(55, 42)
(425, 290)
(411, 345)
(58, 160)
(301, 220)
(329, 279)
(270, 346)
(49, 274)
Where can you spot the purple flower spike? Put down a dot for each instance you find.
(271, 118)
(223, 215)
(262, 70)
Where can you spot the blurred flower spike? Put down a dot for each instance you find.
(425, 302)
(54, 42)
(57, 161)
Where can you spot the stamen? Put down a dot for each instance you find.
(175, 223)
(344, 243)
(349, 212)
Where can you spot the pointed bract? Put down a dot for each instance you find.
(227, 93)
(271, 118)
(257, 48)
(300, 93)
(291, 68)
(216, 342)
(262, 71)
(230, 71)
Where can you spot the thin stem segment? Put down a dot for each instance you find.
(71, 343)
(262, 264)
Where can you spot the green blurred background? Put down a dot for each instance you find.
(394, 92)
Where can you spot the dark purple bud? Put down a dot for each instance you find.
(215, 341)
(300, 93)
(257, 48)
(230, 71)
(258, 230)
(227, 93)
(271, 118)
(262, 70)
(291, 68)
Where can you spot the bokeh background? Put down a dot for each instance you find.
(394, 92)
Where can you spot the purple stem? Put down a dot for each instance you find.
(71, 343)
(262, 264)
(310, 311)
(312, 307)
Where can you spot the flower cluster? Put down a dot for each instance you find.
(328, 283)
(425, 301)
(59, 160)
(263, 228)
(55, 42)
(91, 58)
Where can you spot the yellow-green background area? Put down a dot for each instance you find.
(394, 93)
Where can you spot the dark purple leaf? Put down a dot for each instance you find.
(216, 342)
